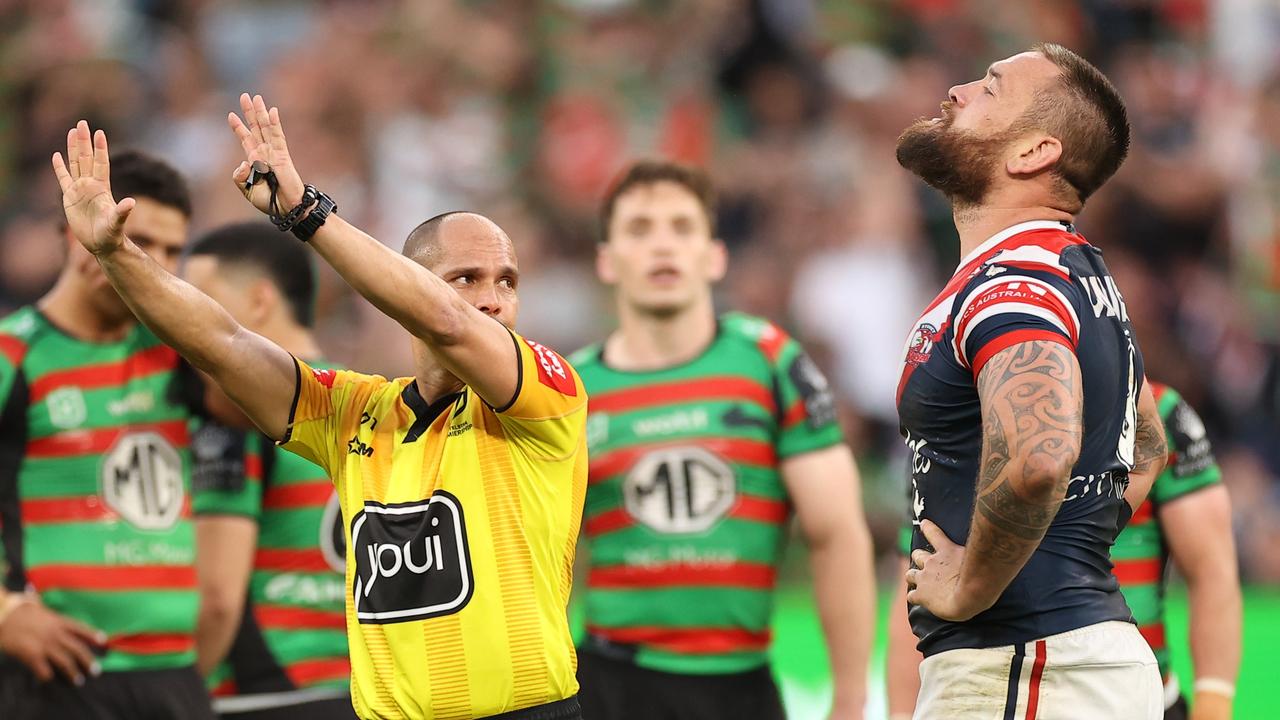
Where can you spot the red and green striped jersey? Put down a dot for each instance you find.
(1140, 553)
(686, 512)
(293, 632)
(94, 478)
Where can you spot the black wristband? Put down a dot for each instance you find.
(305, 228)
(286, 222)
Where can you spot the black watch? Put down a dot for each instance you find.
(307, 226)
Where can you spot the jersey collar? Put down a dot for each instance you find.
(1009, 232)
(423, 413)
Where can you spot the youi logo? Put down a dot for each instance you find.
(412, 560)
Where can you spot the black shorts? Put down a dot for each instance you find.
(177, 694)
(566, 709)
(617, 689)
(1177, 711)
(330, 709)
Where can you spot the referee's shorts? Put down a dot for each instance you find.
(612, 687)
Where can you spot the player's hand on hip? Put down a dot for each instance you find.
(934, 578)
(1210, 706)
(50, 644)
(94, 216)
(261, 137)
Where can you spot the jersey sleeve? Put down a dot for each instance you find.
(220, 472)
(548, 410)
(806, 404)
(1006, 307)
(325, 402)
(1191, 463)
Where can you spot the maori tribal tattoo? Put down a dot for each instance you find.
(1149, 448)
(1032, 417)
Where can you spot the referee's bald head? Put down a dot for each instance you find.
(427, 241)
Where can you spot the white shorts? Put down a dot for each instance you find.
(1099, 672)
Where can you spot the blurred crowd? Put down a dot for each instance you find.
(524, 110)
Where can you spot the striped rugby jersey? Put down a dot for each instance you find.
(1035, 281)
(1140, 553)
(461, 525)
(686, 512)
(293, 632)
(94, 485)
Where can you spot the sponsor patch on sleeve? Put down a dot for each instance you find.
(325, 377)
(553, 370)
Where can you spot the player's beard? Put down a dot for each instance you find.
(958, 163)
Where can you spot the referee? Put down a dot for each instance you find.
(461, 488)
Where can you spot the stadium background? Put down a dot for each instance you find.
(523, 110)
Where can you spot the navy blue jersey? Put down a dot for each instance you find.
(1035, 281)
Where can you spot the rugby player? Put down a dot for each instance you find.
(461, 488)
(1185, 518)
(94, 484)
(271, 635)
(706, 433)
(1032, 434)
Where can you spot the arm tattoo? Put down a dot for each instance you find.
(1032, 422)
(1149, 447)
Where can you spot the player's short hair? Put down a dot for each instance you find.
(138, 175)
(423, 241)
(261, 247)
(1092, 123)
(650, 172)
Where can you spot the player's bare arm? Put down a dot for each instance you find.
(1150, 449)
(1032, 418)
(1197, 528)
(256, 373)
(224, 562)
(825, 489)
(467, 342)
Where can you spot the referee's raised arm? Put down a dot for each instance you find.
(257, 374)
(467, 338)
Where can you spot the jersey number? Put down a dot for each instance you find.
(680, 490)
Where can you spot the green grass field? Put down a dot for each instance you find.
(800, 661)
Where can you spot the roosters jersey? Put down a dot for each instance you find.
(461, 523)
(1034, 281)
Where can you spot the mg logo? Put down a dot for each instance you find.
(142, 481)
(680, 490)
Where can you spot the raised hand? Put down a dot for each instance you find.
(95, 218)
(262, 138)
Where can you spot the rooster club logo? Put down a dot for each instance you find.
(922, 344)
(412, 560)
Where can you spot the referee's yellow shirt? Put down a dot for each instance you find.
(461, 523)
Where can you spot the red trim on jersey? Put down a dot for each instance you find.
(608, 521)
(756, 509)
(757, 576)
(13, 349)
(297, 495)
(149, 361)
(253, 466)
(1142, 515)
(224, 689)
(1037, 672)
(291, 560)
(683, 391)
(795, 415)
(109, 577)
(88, 508)
(760, 509)
(1157, 389)
(1008, 340)
(276, 617)
(739, 450)
(89, 442)
(1154, 635)
(1137, 572)
(152, 643)
(307, 672)
(771, 342)
(691, 641)
(1006, 292)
